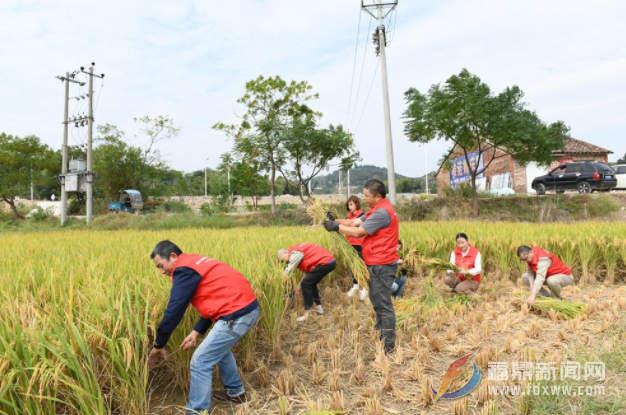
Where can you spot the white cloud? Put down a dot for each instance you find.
(191, 59)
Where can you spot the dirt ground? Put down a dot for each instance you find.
(334, 364)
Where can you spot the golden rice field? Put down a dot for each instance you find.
(79, 309)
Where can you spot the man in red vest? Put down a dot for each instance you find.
(224, 298)
(315, 262)
(544, 268)
(380, 231)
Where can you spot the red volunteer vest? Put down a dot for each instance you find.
(380, 248)
(352, 239)
(557, 267)
(314, 255)
(222, 290)
(467, 262)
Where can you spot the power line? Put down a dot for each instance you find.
(356, 48)
(368, 95)
(361, 75)
(99, 92)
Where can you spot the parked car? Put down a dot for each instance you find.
(585, 177)
(620, 175)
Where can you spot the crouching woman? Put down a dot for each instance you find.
(468, 259)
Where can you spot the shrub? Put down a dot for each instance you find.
(173, 206)
(205, 209)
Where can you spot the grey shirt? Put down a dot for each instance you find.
(294, 260)
(377, 221)
(540, 276)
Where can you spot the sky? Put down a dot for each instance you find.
(190, 60)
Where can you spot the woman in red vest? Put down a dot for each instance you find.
(315, 262)
(469, 260)
(353, 206)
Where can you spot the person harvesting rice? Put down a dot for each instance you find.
(379, 231)
(224, 298)
(468, 260)
(544, 268)
(398, 283)
(316, 262)
(353, 206)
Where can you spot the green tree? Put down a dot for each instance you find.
(117, 163)
(155, 130)
(247, 180)
(120, 165)
(23, 161)
(622, 160)
(466, 113)
(309, 150)
(270, 103)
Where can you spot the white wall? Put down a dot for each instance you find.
(532, 171)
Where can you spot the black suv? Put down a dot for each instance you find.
(586, 177)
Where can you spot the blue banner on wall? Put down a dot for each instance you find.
(459, 168)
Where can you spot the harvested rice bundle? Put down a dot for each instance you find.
(431, 298)
(436, 264)
(569, 309)
(350, 258)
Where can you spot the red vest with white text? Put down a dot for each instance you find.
(466, 262)
(352, 239)
(222, 289)
(380, 248)
(314, 255)
(557, 267)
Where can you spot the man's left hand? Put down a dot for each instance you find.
(531, 299)
(154, 356)
(298, 289)
(331, 226)
(330, 216)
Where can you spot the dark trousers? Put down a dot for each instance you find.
(359, 250)
(381, 280)
(310, 293)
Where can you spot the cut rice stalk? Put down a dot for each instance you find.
(317, 212)
(569, 309)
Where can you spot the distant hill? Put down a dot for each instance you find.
(359, 175)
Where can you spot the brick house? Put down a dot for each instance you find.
(505, 175)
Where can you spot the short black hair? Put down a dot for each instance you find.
(400, 243)
(164, 249)
(523, 250)
(461, 235)
(376, 187)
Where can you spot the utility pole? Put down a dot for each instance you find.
(339, 183)
(426, 164)
(391, 174)
(31, 181)
(67, 81)
(228, 177)
(206, 187)
(89, 178)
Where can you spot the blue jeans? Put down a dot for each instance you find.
(215, 349)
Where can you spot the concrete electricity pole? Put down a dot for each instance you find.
(89, 178)
(426, 164)
(67, 81)
(391, 174)
(206, 187)
(348, 183)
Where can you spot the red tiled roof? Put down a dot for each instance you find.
(576, 146)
